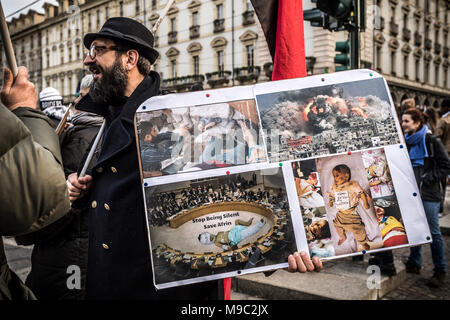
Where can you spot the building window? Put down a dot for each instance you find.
(220, 62)
(250, 55)
(393, 63)
(219, 11)
(173, 24)
(62, 55)
(70, 53)
(417, 67)
(121, 8)
(98, 17)
(427, 72)
(138, 7)
(47, 59)
(61, 32)
(405, 67)
(195, 18)
(154, 3)
(173, 68)
(378, 59)
(106, 13)
(196, 63)
(89, 21)
(436, 75)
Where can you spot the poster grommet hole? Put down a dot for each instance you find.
(415, 194)
(364, 252)
(323, 79)
(428, 238)
(239, 272)
(228, 172)
(145, 184)
(401, 146)
(144, 107)
(207, 95)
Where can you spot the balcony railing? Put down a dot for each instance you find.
(172, 37)
(446, 52)
(417, 39)
(219, 25)
(268, 68)
(248, 17)
(218, 78)
(182, 83)
(437, 48)
(247, 74)
(406, 34)
(393, 28)
(194, 32)
(428, 44)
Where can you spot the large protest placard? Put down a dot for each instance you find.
(237, 179)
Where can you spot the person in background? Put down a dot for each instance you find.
(443, 133)
(431, 119)
(34, 192)
(430, 163)
(51, 103)
(65, 243)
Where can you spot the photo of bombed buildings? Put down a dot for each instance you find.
(220, 224)
(325, 120)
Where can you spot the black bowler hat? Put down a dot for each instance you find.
(128, 31)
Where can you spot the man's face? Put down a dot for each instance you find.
(110, 74)
(104, 58)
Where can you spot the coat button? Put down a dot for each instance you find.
(107, 207)
(105, 246)
(114, 170)
(99, 169)
(94, 204)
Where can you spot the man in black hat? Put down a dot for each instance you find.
(119, 266)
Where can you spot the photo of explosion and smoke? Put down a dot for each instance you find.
(325, 120)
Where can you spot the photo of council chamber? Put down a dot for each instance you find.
(217, 225)
(188, 139)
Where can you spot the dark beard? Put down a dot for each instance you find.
(111, 85)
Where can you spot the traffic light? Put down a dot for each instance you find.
(342, 58)
(341, 10)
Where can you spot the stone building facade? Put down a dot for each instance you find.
(220, 43)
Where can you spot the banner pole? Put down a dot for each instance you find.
(7, 44)
(163, 15)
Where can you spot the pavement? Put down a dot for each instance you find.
(341, 279)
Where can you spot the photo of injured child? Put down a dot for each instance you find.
(349, 206)
(382, 191)
(325, 120)
(312, 208)
(217, 225)
(199, 137)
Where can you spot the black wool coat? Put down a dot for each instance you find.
(119, 265)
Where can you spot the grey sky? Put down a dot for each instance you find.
(10, 6)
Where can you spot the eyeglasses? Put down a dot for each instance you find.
(99, 50)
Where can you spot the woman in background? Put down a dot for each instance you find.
(430, 163)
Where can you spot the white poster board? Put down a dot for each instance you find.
(237, 179)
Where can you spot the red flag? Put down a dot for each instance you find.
(290, 59)
(282, 23)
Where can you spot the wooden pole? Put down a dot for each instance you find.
(7, 44)
(63, 121)
(163, 15)
(92, 151)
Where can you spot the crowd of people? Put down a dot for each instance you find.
(168, 205)
(94, 221)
